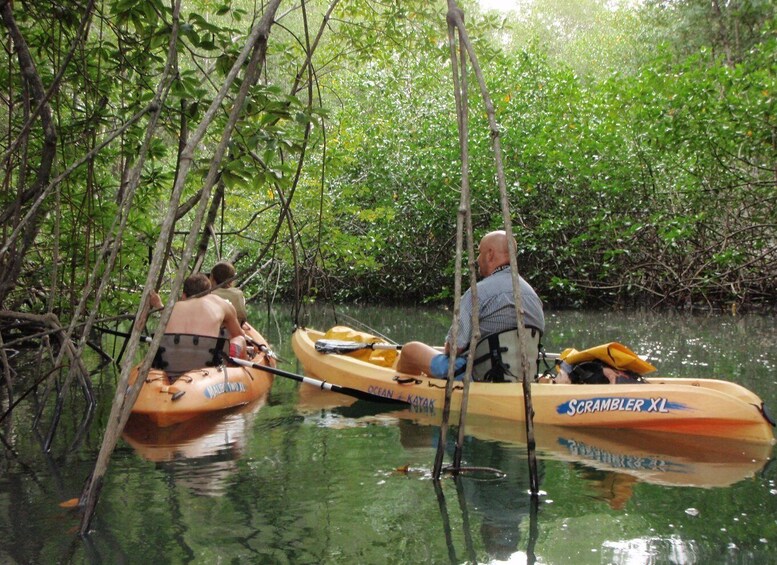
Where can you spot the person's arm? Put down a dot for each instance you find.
(230, 320)
(465, 323)
(155, 301)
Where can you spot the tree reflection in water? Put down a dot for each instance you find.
(498, 501)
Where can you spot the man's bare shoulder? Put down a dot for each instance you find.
(215, 298)
(221, 303)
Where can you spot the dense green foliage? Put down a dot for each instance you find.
(639, 149)
(651, 179)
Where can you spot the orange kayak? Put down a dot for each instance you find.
(202, 391)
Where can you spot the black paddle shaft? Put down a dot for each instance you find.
(323, 385)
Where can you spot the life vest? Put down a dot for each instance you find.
(613, 354)
(611, 363)
(498, 356)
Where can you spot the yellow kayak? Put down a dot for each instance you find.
(705, 407)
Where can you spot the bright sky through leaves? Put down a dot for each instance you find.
(500, 5)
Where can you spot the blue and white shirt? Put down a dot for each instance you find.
(497, 307)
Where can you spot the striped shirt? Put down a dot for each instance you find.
(497, 307)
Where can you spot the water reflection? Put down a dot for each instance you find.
(495, 515)
(635, 456)
(492, 505)
(502, 503)
(200, 454)
(316, 478)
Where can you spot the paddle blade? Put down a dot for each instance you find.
(341, 346)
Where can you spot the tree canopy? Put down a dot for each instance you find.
(639, 146)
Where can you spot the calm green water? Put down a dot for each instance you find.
(311, 477)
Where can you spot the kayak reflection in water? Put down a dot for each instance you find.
(501, 502)
(498, 502)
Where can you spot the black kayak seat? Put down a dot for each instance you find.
(179, 353)
(498, 356)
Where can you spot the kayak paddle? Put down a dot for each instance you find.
(323, 385)
(340, 346)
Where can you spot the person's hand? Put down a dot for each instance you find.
(154, 300)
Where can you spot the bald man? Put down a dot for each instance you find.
(496, 311)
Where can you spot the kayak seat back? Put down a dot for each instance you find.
(179, 353)
(498, 356)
